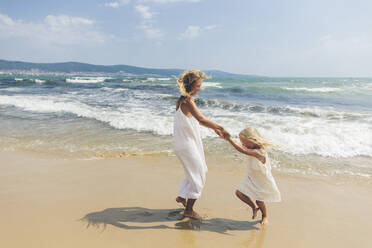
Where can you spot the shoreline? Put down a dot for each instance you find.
(130, 202)
(224, 162)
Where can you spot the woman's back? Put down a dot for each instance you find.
(186, 130)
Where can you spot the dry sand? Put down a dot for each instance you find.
(129, 202)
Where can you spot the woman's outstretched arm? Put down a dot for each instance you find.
(204, 121)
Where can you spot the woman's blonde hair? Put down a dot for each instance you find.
(253, 135)
(187, 79)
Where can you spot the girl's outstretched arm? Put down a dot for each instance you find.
(250, 152)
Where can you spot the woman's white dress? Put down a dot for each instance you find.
(188, 147)
(259, 183)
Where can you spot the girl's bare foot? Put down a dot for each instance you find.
(264, 221)
(255, 211)
(179, 199)
(192, 215)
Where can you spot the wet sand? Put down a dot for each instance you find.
(130, 202)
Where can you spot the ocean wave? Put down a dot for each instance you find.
(40, 81)
(113, 89)
(319, 90)
(303, 136)
(299, 134)
(211, 85)
(137, 118)
(155, 79)
(33, 80)
(87, 80)
(318, 112)
(12, 89)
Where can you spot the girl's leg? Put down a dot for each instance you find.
(262, 207)
(248, 201)
(189, 211)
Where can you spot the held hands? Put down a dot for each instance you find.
(219, 133)
(226, 135)
(223, 133)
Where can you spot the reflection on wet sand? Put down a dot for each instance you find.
(256, 238)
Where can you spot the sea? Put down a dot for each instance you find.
(323, 126)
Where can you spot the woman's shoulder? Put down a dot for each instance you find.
(181, 100)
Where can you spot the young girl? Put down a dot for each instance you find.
(258, 184)
(187, 141)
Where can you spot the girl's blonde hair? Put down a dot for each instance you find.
(253, 135)
(187, 79)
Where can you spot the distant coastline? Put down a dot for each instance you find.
(77, 68)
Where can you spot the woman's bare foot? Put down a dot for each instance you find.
(264, 221)
(192, 215)
(255, 211)
(179, 199)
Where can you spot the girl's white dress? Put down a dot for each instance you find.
(188, 147)
(259, 183)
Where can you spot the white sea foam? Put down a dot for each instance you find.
(153, 79)
(113, 89)
(12, 89)
(329, 113)
(298, 134)
(86, 79)
(39, 81)
(35, 80)
(302, 135)
(211, 84)
(132, 116)
(321, 89)
(164, 79)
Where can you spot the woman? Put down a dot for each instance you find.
(187, 140)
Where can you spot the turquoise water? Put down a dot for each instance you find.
(323, 124)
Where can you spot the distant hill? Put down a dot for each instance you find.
(83, 68)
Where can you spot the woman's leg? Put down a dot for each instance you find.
(262, 207)
(189, 211)
(182, 200)
(248, 201)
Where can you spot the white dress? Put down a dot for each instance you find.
(259, 183)
(188, 147)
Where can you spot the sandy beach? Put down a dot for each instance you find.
(129, 202)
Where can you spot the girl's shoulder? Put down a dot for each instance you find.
(261, 155)
(261, 151)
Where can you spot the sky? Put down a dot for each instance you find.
(294, 38)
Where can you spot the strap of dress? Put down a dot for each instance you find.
(179, 106)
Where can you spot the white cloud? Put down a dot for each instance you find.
(61, 29)
(144, 11)
(346, 45)
(210, 27)
(61, 22)
(147, 22)
(326, 37)
(170, 1)
(6, 20)
(148, 19)
(193, 32)
(117, 4)
(150, 31)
